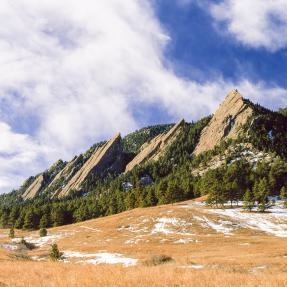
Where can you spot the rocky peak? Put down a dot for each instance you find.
(232, 113)
(107, 157)
(156, 147)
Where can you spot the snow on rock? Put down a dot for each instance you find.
(273, 222)
(101, 258)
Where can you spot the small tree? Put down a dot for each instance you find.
(283, 195)
(12, 232)
(43, 232)
(55, 254)
(248, 202)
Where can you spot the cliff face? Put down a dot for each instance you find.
(34, 188)
(105, 158)
(41, 181)
(156, 147)
(226, 122)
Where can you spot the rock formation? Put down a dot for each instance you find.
(156, 147)
(34, 187)
(105, 158)
(226, 122)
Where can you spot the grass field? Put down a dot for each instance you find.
(205, 248)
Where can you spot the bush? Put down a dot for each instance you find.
(55, 254)
(26, 244)
(158, 260)
(43, 232)
(12, 233)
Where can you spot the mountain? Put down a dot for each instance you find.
(106, 158)
(155, 148)
(240, 149)
(226, 123)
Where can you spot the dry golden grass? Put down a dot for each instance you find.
(46, 274)
(226, 260)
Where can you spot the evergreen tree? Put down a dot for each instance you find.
(55, 254)
(283, 195)
(261, 192)
(43, 232)
(248, 202)
(11, 232)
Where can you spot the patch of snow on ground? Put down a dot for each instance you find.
(183, 241)
(257, 268)
(101, 258)
(90, 228)
(9, 247)
(220, 227)
(161, 226)
(41, 241)
(273, 222)
(193, 266)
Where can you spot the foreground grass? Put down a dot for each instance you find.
(69, 275)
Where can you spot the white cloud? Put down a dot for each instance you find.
(74, 72)
(256, 23)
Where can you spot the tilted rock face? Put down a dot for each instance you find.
(34, 187)
(65, 174)
(226, 122)
(105, 158)
(41, 181)
(156, 147)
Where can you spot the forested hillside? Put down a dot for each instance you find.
(250, 167)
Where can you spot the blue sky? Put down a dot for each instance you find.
(76, 72)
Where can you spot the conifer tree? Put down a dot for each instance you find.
(55, 254)
(248, 202)
(283, 195)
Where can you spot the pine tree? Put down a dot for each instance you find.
(43, 232)
(11, 232)
(261, 192)
(248, 202)
(283, 195)
(55, 254)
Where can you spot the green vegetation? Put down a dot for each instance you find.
(133, 141)
(55, 254)
(43, 232)
(11, 232)
(171, 176)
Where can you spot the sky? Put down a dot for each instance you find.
(77, 72)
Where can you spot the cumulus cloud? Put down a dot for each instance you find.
(256, 23)
(75, 72)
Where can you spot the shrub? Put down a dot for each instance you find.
(12, 233)
(158, 260)
(27, 244)
(43, 232)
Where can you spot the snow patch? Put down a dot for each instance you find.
(220, 227)
(101, 258)
(273, 222)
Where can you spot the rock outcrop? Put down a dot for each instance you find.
(156, 147)
(226, 122)
(105, 158)
(34, 188)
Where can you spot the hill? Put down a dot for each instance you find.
(184, 244)
(238, 152)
